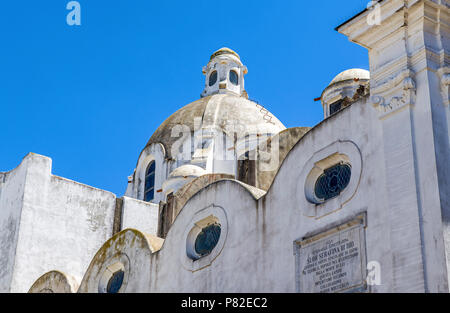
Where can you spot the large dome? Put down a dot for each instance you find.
(219, 111)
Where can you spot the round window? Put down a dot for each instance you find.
(333, 181)
(115, 276)
(207, 239)
(115, 282)
(234, 78)
(212, 78)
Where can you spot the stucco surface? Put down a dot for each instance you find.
(62, 223)
(55, 282)
(140, 215)
(131, 247)
(217, 111)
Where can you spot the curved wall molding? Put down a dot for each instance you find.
(339, 151)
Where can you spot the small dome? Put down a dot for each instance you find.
(187, 171)
(354, 73)
(180, 177)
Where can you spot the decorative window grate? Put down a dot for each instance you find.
(207, 239)
(333, 181)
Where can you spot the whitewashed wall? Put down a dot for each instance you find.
(62, 223)
(409, 89)
(140, 215)
(12, 186)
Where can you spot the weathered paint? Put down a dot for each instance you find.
(396, 139)
(55, 282)
(50, 223)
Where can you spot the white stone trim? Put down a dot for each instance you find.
(118, 262)
(339, 151)
(444, 74)
(318, 169)
(154, 152)
(189, 259)
(403, 98)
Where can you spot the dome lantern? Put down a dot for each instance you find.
(224, 74)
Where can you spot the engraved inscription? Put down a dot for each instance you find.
(333, 263)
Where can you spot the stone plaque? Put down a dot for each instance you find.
(333, 261)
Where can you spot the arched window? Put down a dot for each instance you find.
(234, 78)
(149, 192)
(333, 181)
(213, 78)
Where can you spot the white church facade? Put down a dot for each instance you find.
(225, 198)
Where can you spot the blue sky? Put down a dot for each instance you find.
(91, 96)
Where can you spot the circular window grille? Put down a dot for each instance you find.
(207, 239)
(333, 181)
